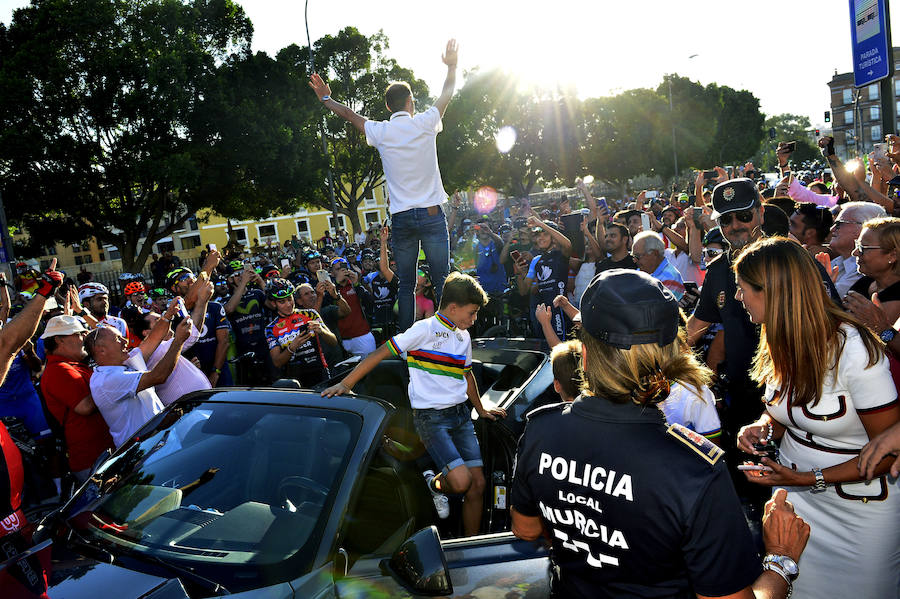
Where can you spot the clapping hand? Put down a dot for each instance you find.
(869, 312)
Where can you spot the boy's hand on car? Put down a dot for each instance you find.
(338, 389)
(492, 414)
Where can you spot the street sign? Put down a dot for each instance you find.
(871, 49)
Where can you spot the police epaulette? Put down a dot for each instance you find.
(699, 444)
(550, 407)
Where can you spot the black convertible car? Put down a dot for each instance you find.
(282, 493)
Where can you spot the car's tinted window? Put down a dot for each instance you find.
(222, 488)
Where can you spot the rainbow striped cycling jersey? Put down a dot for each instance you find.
(438, 355)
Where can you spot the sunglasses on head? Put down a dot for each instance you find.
(745, 216)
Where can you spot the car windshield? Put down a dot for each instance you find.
(223, 489)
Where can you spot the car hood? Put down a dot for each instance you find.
(85, 578)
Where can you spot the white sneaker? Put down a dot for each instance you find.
(441, 503)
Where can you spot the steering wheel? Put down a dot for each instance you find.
(302, 482)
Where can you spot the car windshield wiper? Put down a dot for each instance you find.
(212, 585)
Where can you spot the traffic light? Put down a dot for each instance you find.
(817, 133)
(827, 116)
(772, 133)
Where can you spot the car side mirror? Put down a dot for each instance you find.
(420, 566)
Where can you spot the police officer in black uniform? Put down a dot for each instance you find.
(633, 507)
(738, 210)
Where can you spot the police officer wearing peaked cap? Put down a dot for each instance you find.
(634, 507)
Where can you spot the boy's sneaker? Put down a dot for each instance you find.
(441, 503)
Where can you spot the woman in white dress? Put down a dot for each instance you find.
(828, 391)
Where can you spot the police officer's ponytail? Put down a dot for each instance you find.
(653, 388)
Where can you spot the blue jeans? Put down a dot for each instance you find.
(449, 436)
(409, 229)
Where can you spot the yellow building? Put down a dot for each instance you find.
(209, 227)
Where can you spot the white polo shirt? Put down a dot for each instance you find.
(185, 377)
(114, 389)
(438, 355)
(409, 158)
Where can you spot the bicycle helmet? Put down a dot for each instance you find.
(270, 271)
(134, 287)
(233, 268)
(177, 275)
(279, 289)
(340, 262)
(89, 290)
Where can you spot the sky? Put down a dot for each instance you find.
(783, 51)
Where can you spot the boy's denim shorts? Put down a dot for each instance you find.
(449, 436)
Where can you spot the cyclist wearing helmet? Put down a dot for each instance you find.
(159, 299)
(312, 262)
(136, 295)
(211, 350)
(295, 336)
(95, 298)
(247, 311)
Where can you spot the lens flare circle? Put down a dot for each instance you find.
(485, 200)
(505, 139)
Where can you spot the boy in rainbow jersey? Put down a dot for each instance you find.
(439, 355)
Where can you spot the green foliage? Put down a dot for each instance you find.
(625, 135)
(788, 127)
(120, 119)
(546, 125)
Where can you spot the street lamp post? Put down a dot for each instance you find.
(312, 68)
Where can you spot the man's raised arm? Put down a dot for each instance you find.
(449, 58)
(324, 94)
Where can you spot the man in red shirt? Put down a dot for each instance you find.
(356, 336)
(67, 391)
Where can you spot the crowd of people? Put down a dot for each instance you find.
(755, 326)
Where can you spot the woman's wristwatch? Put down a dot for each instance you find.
(819, 487)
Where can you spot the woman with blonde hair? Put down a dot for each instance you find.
(828, 391)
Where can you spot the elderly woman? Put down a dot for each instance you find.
(828, 391)
(877, 251)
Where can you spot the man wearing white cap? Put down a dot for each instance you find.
(67, 392)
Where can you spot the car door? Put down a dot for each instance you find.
(391, 505)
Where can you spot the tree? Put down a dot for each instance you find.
(788, 127)
(739, 127)
(545, 121)
(358, 71)
(622, 135)
(714, 125)
(120, 119)
(695, 112)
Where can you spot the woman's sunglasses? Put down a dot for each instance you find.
(745, 216)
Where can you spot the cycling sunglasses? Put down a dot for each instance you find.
(745, 216)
